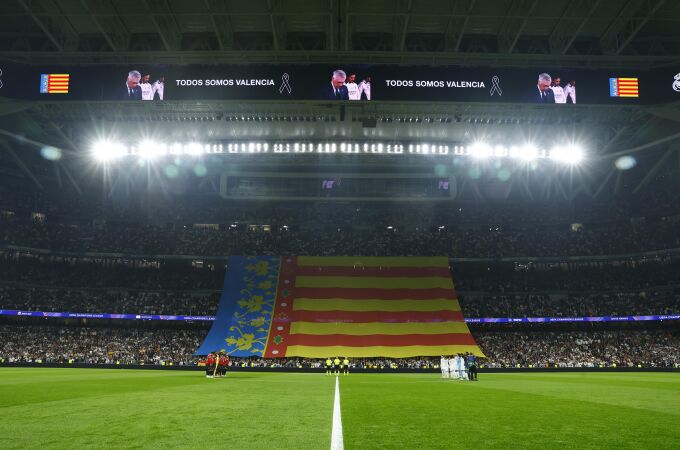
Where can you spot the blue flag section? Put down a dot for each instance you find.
(241, 326)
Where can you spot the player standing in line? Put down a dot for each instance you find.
(345, 366)
(329, 365)
(147, 89)
(352, 89)
(210, 362)
(223, 359)
(457, 365)
(558, 90)
(570, 92)
(365, 88)
(336, 365)
(451, 367)
(464, 367)
(444, 366)
(158, 87)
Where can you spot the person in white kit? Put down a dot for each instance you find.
(570, 92)
(365, 88)
(147, 90)
(444, 366)
(460, 367)
(558, 91)
(157, 87)
(452, 367)
(352, 88)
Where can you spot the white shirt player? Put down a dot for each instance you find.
(570, 91)
(452, 367)
(463, 369)
(459, 367)
(353, 91)
(365, 88)
(559, 94)
(444, 365)
(147, 91)
(157, 87)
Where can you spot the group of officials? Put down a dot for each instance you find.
(459, 367)
(138, 87)
(336, 366)
(216, 364)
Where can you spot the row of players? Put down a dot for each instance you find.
(216, 364)
(459, 367)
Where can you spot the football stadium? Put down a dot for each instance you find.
(297, 224)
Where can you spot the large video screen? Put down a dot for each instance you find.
(360, 83)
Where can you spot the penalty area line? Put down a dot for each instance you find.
(336, 433)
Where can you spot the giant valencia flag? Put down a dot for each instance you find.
(350, 306)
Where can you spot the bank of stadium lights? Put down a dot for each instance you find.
(147, 150)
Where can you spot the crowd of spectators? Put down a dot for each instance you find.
(649, 348)
(572, 305)
(59, 344)
(121, 301)
(210, 208)
(105, 274)
(628, 274)
(621, 275)
(630, 287)
(494, 241)
(108, 301)
(54, 344)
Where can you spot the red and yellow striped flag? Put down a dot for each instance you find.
(367, 307)
(54, 83)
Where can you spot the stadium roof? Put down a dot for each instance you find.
(634, 34)
(576, 33)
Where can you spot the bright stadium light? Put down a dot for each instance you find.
(193, 148)
(480, 150)
(105, 151)
(500, 151)
(567, 154)
(148, 149)
(527, 152)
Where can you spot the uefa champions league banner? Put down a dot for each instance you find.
(139, 82)
(84, 315)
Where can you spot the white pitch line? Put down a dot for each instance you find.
(336, 434)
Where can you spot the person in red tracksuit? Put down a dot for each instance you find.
(226, 364)
(210, 365)
(222, 365)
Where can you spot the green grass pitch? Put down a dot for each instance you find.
(92, 408)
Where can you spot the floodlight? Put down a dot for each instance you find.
(148, 149)
(527, 152)
(104, 151)
(500, 151)
(480, 150)
(567, 154)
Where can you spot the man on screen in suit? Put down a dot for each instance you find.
(336, 90)
(543, 93)
(132, 89)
